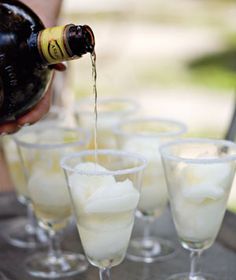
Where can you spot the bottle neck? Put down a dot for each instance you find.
(61, 43)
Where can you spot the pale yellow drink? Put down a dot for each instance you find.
(15, 167)
(200, 201)
(110, 113)
(154, 196)
(50, 197)
(46, 183)
(105, 214)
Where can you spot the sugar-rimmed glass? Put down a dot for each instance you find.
(41, 149)
(104, 189)
(22, 232)
(145, 135)
(110, 112)
(199, 174)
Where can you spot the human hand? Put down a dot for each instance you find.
(36, 113)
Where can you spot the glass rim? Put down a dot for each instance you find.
(166, 154)
(106, 100)
(136, 156)
(48, 146)
(182, 127)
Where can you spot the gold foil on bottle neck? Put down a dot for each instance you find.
(53, 45)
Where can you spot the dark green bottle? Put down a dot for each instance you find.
(26, 51)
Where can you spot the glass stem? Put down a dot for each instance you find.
(195, 264)
(104, 274)
(147, 229)
(54, 245)
(56, 258)
(32, 221)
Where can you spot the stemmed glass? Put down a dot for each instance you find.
(199, 174)
(24, 232)
(145, 135)
(21, 232)
(111, 112)
(104, 189)
(41, 149)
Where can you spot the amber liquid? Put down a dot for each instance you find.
(94, 77)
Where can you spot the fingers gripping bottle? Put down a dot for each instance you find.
(27, 48)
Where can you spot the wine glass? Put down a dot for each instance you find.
(111, 111)
(145, 135)
(41, 149)
(21, 232)
(199, 174)
(24, 232)
(104, 188)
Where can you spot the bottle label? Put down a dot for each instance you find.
(53, 45)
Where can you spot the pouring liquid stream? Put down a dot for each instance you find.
(94, 77)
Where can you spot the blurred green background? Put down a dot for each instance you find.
(177, 58)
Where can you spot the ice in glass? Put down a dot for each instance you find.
(105, 191)
(199, 174)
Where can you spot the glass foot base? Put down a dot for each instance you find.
(44, 266)
(185, 276)
(150, 250)
(20, 234)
